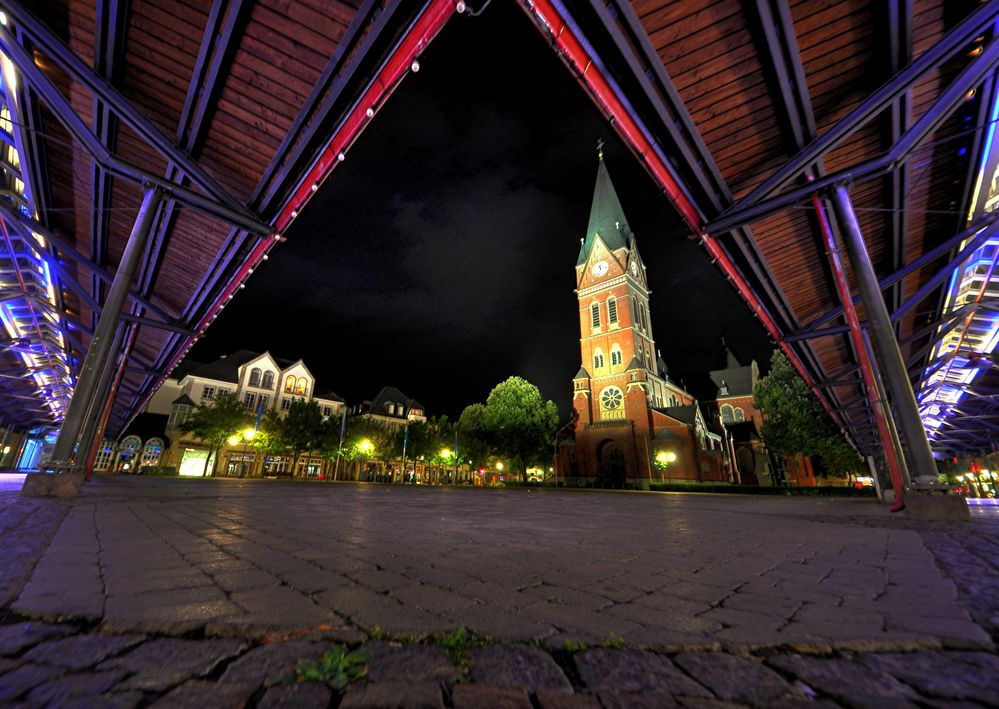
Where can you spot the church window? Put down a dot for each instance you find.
(595, 314)
(641, 311)
(673, 401)
(268, 381)
(255, 377)
(612, 310)
(740, 415)
(289, 384)
(300, 387)
(727, 414)
(616, 356)
(598, 359)
(611, 398)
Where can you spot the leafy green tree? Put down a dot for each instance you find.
(519, 422)
(214, 423)
(794, 421)
(302, 429)
(473, 438)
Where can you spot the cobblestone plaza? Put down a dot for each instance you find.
(168, 590)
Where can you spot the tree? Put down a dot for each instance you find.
(518, 421)
(794, 421)
(302, 429)
(214, 423)
(473, 438)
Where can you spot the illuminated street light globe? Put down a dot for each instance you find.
(233, 440)
(249, 433)
(445, 452)
(499, 465)
(671, 457)
(365, 445)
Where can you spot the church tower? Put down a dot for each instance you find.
(628, 411)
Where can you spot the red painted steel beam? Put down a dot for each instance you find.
(553, 20)
(433, 18)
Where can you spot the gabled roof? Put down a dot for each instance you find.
(391, 395)
(329, 396)
(582, 374)
(606, 218)
(739, 381)
(183, 400)
(225, 368)
(685, 414)
(635, 363)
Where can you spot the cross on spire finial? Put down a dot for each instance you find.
(600, 148)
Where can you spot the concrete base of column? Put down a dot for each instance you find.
(936, 507)
(52, 484)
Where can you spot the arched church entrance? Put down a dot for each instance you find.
(611, 471)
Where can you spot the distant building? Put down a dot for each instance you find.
(629, 413)
(391, 407)
(262, 382)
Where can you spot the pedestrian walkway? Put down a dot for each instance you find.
(590, 595)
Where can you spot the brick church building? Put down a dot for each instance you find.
(633, 425)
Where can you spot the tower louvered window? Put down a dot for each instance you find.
(595, 314)
(612, 310)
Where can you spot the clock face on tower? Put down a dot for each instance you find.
(600, 268)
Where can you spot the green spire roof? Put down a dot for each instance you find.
(606, 218)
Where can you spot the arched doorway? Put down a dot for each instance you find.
(611, 471)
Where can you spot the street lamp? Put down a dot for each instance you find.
(365, 446)
(446, 455)
(663, 461)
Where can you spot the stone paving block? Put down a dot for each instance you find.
(938, 675)
(574, 619)
(475, 696)
(394, 695)
(245, 580)
(164, 662)
(408, 663)
(754, 622)
(119, 586)
(430, 598)
(848, 680)
(652, 699)
(166, 619)
(498, 623)
(647, 616)
(315, 580)
(567, 596)
(67, 690)
(733, 678)
(198, 694)
(762, 604)
(81, 651)
(952, 631)
(14, 684)
(380, 580)
(61, 606)
(633, 671)
(267, 664)
(368, 609)
(15, 637)
(703, 703)
(302, 695)
(517, 666)
(281, 602)
(554, 699)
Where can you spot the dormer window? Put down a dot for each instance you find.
(723, 389)
(391, 408)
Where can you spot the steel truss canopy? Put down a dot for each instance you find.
(741, 110)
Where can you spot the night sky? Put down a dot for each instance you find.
(439, 257)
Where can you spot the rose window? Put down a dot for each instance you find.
(611, 397)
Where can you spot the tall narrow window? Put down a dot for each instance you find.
(727, 415)
(740, 415)
(595, 314)
(255, 377)
(264, 400)
(268, 380)
(300, 388)
(250, 400)
(598, 359)
(289, 384)
(616, 356)
(612, 310)
(641, 311)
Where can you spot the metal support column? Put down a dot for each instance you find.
(886, 410)
(101, 397)
(860, 352)
(100, 344)
(885, 345)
